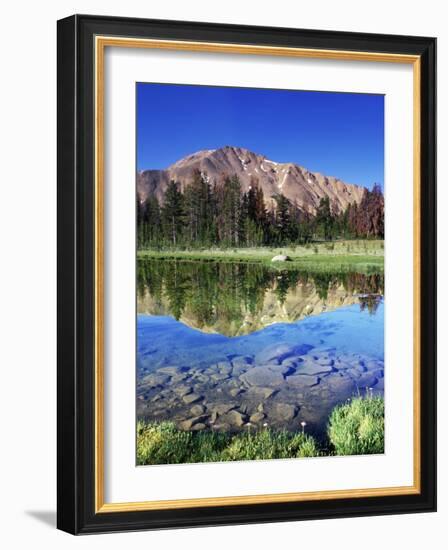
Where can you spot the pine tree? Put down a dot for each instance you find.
(283, 219)
(230, 211)
(367, 219)
(139, 221)
(376, 212)
(151, 221)
(353, 219)
(345, 221)
(256, 213)
(245, 228)
(306, 227)
(294, 224)
(172, 213)
(324, 218)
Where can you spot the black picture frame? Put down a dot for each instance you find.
(76, 286)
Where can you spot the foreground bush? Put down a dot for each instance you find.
(357, 427)
(163, 443)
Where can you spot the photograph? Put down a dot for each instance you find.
(259, 274)
(236, 205)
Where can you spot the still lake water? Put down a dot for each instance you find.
(221, 346)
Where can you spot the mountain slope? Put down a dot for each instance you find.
(298, 184)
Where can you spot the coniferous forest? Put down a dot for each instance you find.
(222, 215)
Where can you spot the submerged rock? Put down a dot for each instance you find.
(220, 408)
(242, 361)
(279, 352)
(282, 412)
(217, 377)
(312, 368)
(154, 380)
(192, 423)
(182, 390)
(263, 376)
(178, 378)
(275, 352)
(342, 385)
(260, 392)
(197, 427)
(191, 398)
(367, 380)
(172, 370)
(257, 417)
(197, 410)
(234, 418)
(202, 378)
(302, 380)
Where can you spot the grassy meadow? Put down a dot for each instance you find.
(360, 255)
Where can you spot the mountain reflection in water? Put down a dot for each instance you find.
(240, 298)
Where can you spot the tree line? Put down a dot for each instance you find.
(205, 214)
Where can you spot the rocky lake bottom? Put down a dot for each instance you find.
(281, 376)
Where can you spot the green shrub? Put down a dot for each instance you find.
(357, 427)
(162, 444)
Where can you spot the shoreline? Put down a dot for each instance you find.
(162, 442)
(366, 256)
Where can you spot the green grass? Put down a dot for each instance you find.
(364, 255)
(163, 443)
(356, 427)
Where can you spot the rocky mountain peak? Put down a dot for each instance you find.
(301, 186)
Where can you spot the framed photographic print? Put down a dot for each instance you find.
(246, 274)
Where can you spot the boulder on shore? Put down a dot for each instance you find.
(281, 258)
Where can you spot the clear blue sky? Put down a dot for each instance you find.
(337, 134)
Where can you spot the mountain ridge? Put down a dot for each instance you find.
(298, 184)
